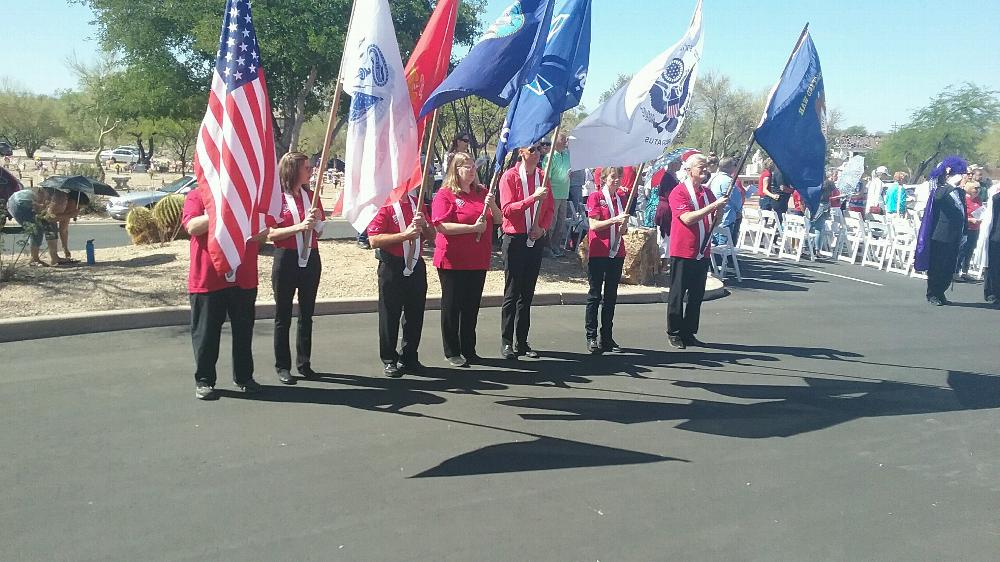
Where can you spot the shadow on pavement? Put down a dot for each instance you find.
(541, 453)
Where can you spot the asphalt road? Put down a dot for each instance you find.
(104, 235)
(832, 419)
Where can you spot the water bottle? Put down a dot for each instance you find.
(90, 252)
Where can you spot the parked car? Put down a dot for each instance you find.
(6, 149)
(122, 154)
(118, 207)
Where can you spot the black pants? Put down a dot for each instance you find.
(604, 275)
(687, 277)
(966, 250)
(941, 269)
(400, 297)
(287, 278)
(521, 265)
(461, 293)
(208, 313)
(992, 286)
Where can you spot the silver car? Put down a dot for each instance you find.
(118, 207)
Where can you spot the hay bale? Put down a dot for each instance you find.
(642, 256)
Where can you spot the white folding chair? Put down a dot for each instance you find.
(877, 242)
(795, 238)
(834, 235)
(768, 232)
(723, 247)
(750, 230)
(854, 238)
(903, 245)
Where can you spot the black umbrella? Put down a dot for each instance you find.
(79, 184)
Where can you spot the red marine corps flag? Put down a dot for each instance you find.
(426, 69)
(235, 156)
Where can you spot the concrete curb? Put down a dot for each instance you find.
(20, 329)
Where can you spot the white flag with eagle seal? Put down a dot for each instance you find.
(381, 130)
(642, 118)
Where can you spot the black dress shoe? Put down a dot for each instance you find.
(507, 352)
(935, 301)
(676, 342)
(285, 376)
(457, 361)
(413, 367)
(249, 387)
(992, 299)
(307, 372)
(610, 345)
(526, 351)
(392, 370)
(473, 358)
(593, 346)
(693, 341)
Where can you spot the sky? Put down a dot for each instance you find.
(881, 60)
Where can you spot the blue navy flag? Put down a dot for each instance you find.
(505, 59)
(793, 128)
(557, 86)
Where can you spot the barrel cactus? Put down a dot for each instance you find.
(167, 214)
(141, 226)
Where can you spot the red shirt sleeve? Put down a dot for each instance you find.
(547, 211)
(380, 224)
(443, 207)
(508, 186)
(594, 208)
(680, 203)
(193, 207)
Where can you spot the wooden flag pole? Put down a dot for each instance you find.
(427, 161)
(635, 186)
(746, 153)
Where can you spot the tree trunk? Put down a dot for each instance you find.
(300, 109)
(105, 131)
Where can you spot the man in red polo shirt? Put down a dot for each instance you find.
(693, 208)
(527, 206)
(213, 298)
(397, 233)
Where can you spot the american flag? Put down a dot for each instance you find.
(235, 156)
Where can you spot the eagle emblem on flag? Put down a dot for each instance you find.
(668, 96)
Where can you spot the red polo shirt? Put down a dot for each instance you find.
(302, 203)
(202, 276)
(686, 240)
(386, 222)
(461, 251)
(516, 201)
(597, 209)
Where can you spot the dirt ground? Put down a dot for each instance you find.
(156, 275)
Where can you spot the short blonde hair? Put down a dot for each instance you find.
(288, 170)
(607, 172)
(899, 176)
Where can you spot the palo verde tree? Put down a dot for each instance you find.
(172, 46)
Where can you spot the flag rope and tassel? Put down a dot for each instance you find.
(330, 124)
(635, 186)
(746, 153)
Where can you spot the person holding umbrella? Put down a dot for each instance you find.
(35, 210)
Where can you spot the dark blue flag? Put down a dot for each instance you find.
(793, 129)
(557, 86)
(507, 55)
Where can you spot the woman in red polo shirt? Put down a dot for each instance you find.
(296, 265)
(463, 212)
(608, 223)
(527, 206)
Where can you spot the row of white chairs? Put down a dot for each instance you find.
(884, 243)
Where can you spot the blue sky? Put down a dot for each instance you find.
(881, 60)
